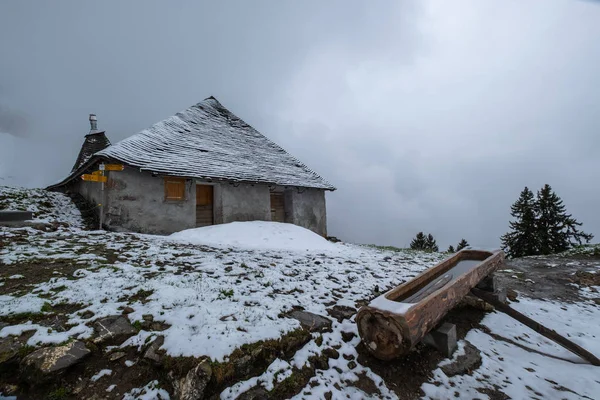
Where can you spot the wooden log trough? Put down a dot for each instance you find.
(393, 323)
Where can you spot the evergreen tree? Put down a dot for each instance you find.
(430, 244)
(522, 240)
(419, 242)
(450, 249)
(556, 230)
(462, 244)
(541, 226)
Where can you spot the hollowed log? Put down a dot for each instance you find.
(396, 321)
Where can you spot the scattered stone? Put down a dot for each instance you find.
(465, 363)
(114, 327)
(348, 336)
(348, 357)
(127, 310)
(9, 348)
(341, 312)
(352, 364)
(9, 390)
(153, 352)
(319, 362)
(328, 395)
(80, 385)
(331, 353)
(597, 301)
(148, 317)
(116, 356)
(53, 359)
(512, 295)
(256, 393)
(193, 385)
(312, 322)
(87, 314)
(586, 278)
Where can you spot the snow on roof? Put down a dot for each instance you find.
(208, 141)
(256, 235)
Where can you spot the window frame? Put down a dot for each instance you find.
(173, 181)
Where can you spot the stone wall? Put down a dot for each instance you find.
(244, 202)
(307, 208)
(134, 201)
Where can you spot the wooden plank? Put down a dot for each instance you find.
(174, 188)
(277, 207)
(390, 325)
(114, 167)
(536, 326)
(204, 205)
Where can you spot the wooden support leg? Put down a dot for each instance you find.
(491, 285)
(443, 339)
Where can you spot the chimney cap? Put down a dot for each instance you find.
(93, 117)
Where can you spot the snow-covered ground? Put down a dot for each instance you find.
(218, 288)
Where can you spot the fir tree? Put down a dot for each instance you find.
(542, 226)
(430, 244)
(462, 244)
(450, 249)
(522, 240)
(556, 230)
(419, 242)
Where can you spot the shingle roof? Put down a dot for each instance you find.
(94, 142)
(208, 141)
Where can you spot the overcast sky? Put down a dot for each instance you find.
(427, 115)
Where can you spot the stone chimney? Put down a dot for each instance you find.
(93, 123)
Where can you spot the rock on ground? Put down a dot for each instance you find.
(465, 363)
(114, 327)
(54, 359)
(312, 322)
(193, 385)
(341, 312)
(153, 353)
(9, 348)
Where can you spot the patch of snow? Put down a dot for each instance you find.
(101, 373)
(261, 235)
(111, 387)
(384, 304)
(151, 391)
(16, 277)
(129, 363)
(28, 303)
(523, 364)
(47, 207)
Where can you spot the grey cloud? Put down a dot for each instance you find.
(427, 115)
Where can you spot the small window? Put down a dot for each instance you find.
(174, 188)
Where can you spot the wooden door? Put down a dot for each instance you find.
(204, 205)
(277, 209)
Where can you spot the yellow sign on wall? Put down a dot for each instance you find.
(97, 173)
(94, 178)
(114, 167)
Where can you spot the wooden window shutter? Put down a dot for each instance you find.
(174, 188)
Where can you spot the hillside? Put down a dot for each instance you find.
(166, 317)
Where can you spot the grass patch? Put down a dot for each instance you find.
(224, 294)
(58, 394)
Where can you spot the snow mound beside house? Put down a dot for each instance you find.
(256, 235)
